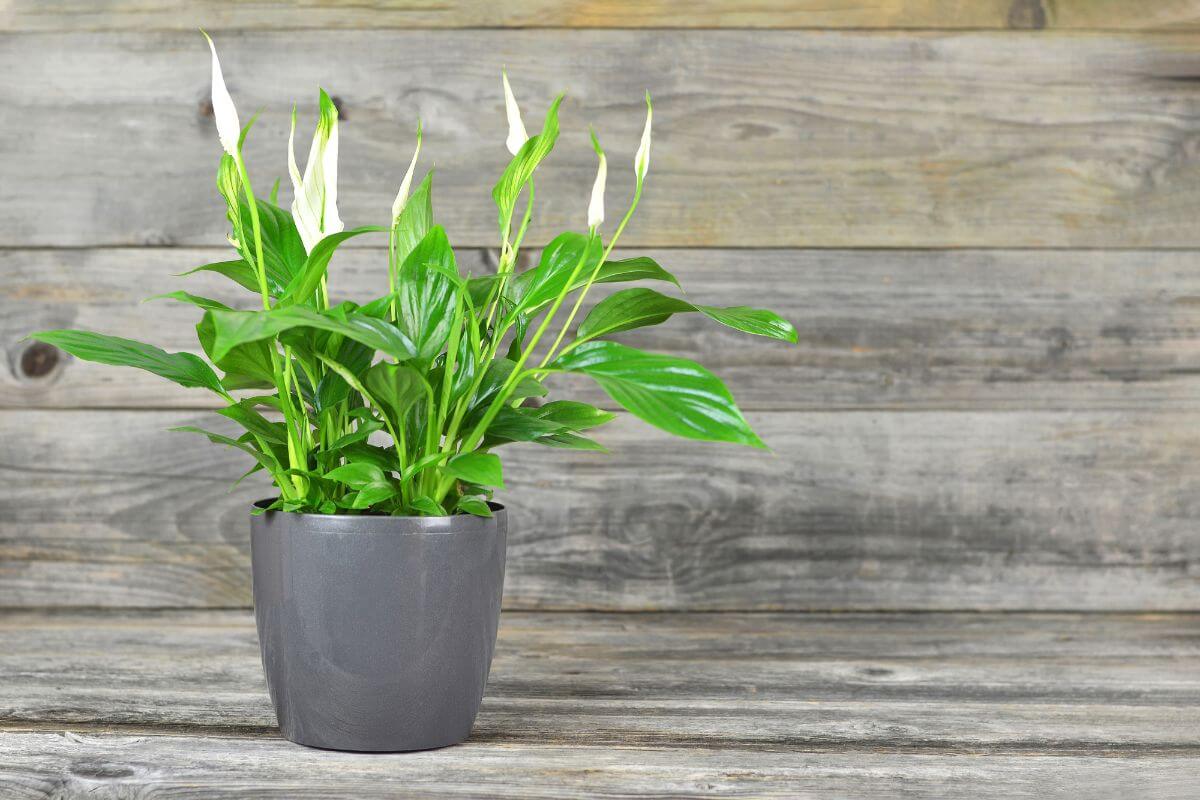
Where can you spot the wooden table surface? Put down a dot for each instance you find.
(173, 703)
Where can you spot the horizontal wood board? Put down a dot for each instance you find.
(725, 705)
(868, 510)
(915, 330)
(41, 15)
(762, 138)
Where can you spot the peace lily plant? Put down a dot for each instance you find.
(396, 406)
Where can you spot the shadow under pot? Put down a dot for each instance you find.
(377, 632)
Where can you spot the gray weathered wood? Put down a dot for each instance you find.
(974, 330)
(763, 138)
(579, 705)
(919, 510)
(47, 15)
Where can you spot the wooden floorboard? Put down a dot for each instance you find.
(941, 705)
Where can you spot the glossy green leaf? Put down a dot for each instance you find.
(572, 414)
(301, 288)
(473, 506)
(425, 294)
(238, 271)
(518, 425)
(415, 221)
(427, 506)
(480, 468)
(566, 255)
(520, 169)
(674, 394)
(184, 297)
(267, 461)
(396, 386)
(246, 365)
(641, 268)
(182, 368)
(636, 308)
(234, 328)
(244, 414)
(571, 441)
(357, 474)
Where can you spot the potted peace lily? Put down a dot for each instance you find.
(378, 567)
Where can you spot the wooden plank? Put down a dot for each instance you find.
(110, 15)
(975, 330)
(870, 510)
(728, 705)
(763, 138)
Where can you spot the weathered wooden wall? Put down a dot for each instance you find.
(986, 236)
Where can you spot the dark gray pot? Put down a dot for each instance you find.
(377, 632)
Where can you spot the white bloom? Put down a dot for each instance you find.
(228, 127)
(641, 162)
(596, 207)
(402, 195)
(516, 129)
(315, 205)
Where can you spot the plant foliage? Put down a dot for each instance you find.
(397, 405)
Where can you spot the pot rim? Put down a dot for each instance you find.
(432, 524)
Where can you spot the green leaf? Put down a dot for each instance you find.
(238, 271)
(382, 457)
(396, 386)
(474, 505)
(571, 414)
(758, 321)
(641, 268)
(427, 506)
(517, 425)
(415, 221)
(571, 441)
(425, 294)
(357, 474)
(373, 494)
(636, 308)
(238, 327)
(305, 283)
(541, 285)
(244, 414)
(480, 468)
(246, 366)
(674, 394)
(196, 300)
(267, 461)
(182, 368)
(520, 168)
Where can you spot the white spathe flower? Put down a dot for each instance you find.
(596, 206)
(402, 195)
(228, 127)
(641, 162)
(516, 129)
(315, 205)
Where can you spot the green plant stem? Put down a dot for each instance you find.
(637, 196)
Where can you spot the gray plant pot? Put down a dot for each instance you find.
(377, 633)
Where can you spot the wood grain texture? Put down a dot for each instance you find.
(71, 15)
(762, 138)
(961, 330)
(582, 705)
(869, 510)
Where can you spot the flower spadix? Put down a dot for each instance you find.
(315, 205)
(516, 129)
(596, 206)
(228, 127)
(641, 162)
(402, 195)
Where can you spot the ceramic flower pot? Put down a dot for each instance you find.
(377, 632)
